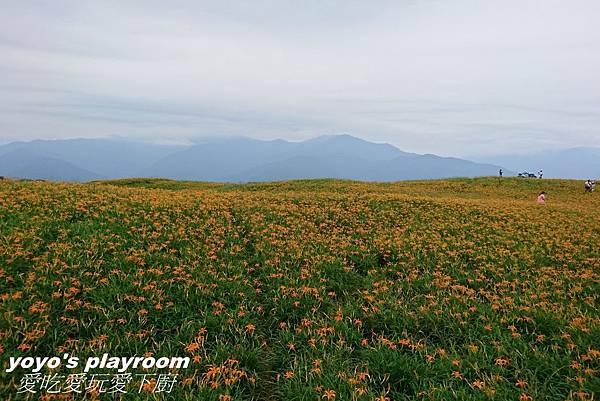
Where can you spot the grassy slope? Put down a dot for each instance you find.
(414, 290)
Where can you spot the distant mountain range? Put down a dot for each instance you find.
(79, 159)
(243, 159)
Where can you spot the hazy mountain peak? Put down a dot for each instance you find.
(342, 138)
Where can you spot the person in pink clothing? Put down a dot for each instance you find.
(541, 199)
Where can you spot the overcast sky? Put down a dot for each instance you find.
(459, 77)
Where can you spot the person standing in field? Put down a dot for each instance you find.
(541, 199)
(500, 172)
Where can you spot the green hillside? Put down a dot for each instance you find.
(307, 290)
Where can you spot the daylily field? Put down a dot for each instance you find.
(310, 290)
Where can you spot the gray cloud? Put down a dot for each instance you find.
(451, 78)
